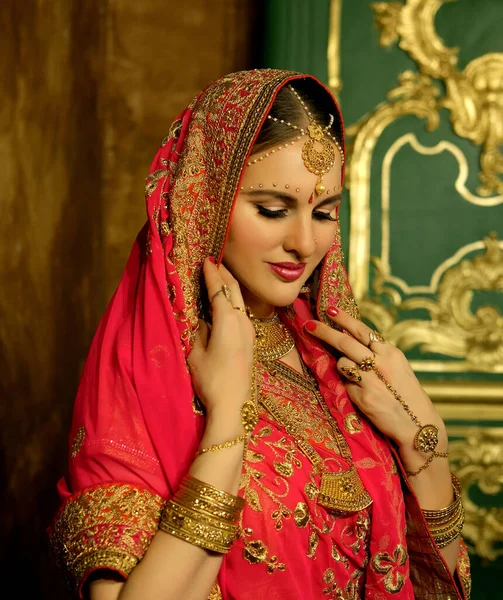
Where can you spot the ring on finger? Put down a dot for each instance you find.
(368, 364)
(243, 310)
(375, 336)
(352, 373)
(225, 290)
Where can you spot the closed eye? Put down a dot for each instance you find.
(271, 214)
(320, 215)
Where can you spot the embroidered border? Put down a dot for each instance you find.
(108, 527)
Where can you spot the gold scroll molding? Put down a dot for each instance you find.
(474, 337)
(474, 96)
(333, 49)
(477, 460)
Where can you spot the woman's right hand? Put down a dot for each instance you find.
(221, 359)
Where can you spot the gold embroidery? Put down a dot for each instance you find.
(152, 181)
(215, 593)
(342, 490)
(301, 515)
(463, 570)
(224, 122)
(334, 285)
(387, 565)
(351, 592)
(255, 552)
(252, 499)
(352, 423)
(314, 538)
(107, 527)
(78, 440)
(164, 229)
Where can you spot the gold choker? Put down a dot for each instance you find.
(272, 338)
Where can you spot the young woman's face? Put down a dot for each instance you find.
(277, 236)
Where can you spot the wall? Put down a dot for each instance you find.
(90, 89)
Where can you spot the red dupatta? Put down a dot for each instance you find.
(136, 423)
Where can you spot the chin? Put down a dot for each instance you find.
(282, 298)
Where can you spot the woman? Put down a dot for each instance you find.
(248, 437)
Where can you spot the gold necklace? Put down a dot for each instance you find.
(342, 491)
(272, 338)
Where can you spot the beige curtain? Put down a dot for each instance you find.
(89, 91)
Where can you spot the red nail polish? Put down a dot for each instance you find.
(310, 325)
(332, 311)
(212, 260)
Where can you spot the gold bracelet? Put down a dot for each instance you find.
(202, 515)
(446, 524)
(428, 463)
(216, 447)
(194, 528)
(208, 506)
(206, 490)
(426, 438)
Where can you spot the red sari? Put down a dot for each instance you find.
(137, 424)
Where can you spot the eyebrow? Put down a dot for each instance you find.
(291, 200)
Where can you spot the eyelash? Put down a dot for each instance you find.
(280, 214)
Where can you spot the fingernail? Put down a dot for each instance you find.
(332, 311)
(310, 325)
(212, 260)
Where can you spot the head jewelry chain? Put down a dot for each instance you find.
(318, 153)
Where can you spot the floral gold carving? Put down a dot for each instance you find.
(453, 329)
(470, 338)
(477, 461)
(474, 96)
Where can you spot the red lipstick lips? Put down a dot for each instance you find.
(288, 271)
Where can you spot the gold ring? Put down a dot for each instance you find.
(223, 290)
(241, 309)
(352, 373)
(368, 363)
(375, 336)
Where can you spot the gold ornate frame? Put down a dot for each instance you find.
(474, 340)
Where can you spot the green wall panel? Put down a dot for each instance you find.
(430, 221)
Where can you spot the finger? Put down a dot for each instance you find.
(214, 285)
(356, 328)
(350, 370)
(202, 336)
(347, 345)
(232, 283)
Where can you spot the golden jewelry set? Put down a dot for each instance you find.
(207, 517)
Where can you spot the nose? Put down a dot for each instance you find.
(300, 237)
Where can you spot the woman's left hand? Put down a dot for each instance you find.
(371, 395)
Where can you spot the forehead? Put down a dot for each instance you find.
(286, 166)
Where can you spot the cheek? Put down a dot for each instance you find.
(325, 239)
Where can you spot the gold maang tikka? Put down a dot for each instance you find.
(318, 153)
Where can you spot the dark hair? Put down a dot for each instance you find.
(287, 107)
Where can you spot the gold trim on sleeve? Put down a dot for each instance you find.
(105, 527)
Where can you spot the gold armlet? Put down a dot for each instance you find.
(202, 515)
(445, 524)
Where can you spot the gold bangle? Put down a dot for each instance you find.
(208, 506)
(207, 490)
(190, 526)
(446, 524)
(216, 447)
